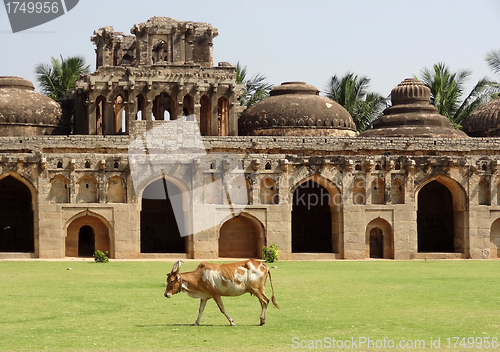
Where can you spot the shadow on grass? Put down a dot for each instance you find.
(198, 326)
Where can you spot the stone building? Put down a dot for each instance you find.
(156, 116)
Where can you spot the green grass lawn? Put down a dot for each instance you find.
(119, 306)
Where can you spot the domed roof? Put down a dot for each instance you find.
(484, 121)
(23, 112)
(296, 109)
(411, 115)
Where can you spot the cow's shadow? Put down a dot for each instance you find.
(191, 325)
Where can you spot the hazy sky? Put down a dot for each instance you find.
(385, 40)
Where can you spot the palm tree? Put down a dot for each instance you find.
(56, 79)
(493, 60)
(350, 91)
(447, 91)
(255, 88)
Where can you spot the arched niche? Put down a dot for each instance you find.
(379, 239)
(241, 237)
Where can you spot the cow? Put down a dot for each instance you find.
(216, 280)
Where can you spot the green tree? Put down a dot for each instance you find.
(57, 78)
(447, 92)
(255, 88)
(351, 92)
(493, 60)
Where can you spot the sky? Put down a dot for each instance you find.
(287, 40)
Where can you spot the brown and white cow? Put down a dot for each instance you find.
(216, 280)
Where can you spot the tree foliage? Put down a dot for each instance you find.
(493, 60)
(448, 95)
(352, 93)
(255, 88)
(57, 78)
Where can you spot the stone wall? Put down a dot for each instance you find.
(467, 167)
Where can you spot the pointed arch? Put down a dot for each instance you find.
(268, 191)
(316, 215)
(165, 216)
(397, 191)
(188, 108)
(17, 214)
(119, 115)
(441, 215)
(495, 239)
(205, 115)
(116, 190)
(378, 190)
(223, 116)
(359, 191)
(59, 190)
(79, 230)
(241, 237)
(100, 115)
(141, 108)
(87, 190)
(484, 192)
(164, 107)
(379, 239)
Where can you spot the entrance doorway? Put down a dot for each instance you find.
(86, 241)
(311, 219)
(85, 235)
(376, 243)
(160, 232)
(16, 217)
(435, 219)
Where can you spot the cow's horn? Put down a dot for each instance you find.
(177, 266)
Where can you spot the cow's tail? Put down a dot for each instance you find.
(273, 299)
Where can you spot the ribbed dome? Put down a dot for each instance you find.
(411, 115)
(296, 109)
(23, 112)
(484, 121)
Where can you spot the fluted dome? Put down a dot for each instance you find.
(296, 109)
(411, 115)
(23, 112)
(484, 121)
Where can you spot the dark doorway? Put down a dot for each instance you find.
(160, 231)
(435, 219)
(311, 219)
(376, 243)
(16, 217)
(86, 241)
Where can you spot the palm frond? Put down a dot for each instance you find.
(57, 78)
(493, 60)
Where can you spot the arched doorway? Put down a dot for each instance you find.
(16, 217)
(86, 241)
(100, 113)
(379, 239)
(162, 221)
(87, 234)
(223, 116)
(240, 237)
(311, 219)
(495, 240)
(376, 243)
(435, 219)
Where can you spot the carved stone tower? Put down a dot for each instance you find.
(163, 71)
